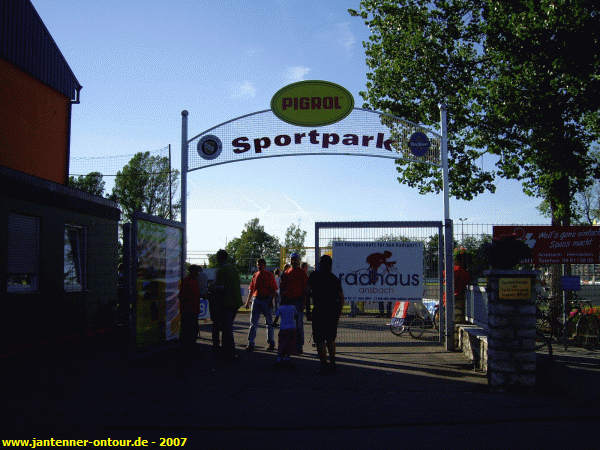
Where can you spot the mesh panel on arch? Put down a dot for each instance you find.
(362, 133)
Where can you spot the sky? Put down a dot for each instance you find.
(142, 62)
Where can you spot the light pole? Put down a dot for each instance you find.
(462, 230)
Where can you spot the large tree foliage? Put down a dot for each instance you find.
(253, 243)
(520, 80)
(585, 206)
(294, 240)
(143, 185)
(92, 183)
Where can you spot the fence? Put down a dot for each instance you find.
(367, 323)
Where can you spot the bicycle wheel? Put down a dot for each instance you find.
(587, 332)
(416, 327)
(396, 329)
(542, 341)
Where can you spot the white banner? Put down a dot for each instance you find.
(379, 271)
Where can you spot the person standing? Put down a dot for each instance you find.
(189, 306)
(202, 283)
(328, 299)
(293, 288)
(277, 274)
(461, 281)
(287, 333)
(263, 289)
(227, 300)
(304, 266)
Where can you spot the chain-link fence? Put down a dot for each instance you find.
(368, 323)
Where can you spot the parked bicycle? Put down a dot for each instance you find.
(582, 326)
(587, 326)
(542, 326)
(415, 323)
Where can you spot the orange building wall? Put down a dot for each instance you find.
(34, 125)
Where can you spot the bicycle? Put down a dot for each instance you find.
(415, 323)
(581, 323)
(587, 326)
(541, 325)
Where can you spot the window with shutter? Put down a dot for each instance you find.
(23, 253)
(74, 273)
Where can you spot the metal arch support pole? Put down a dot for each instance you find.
(184, 171)
(317, 249)
(448, 263)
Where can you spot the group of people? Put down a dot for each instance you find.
(290, 294)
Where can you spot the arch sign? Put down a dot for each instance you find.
(317, 118)
(311, 118)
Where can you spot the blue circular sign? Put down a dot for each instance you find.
(419, 144)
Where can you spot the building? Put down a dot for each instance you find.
(58, 245)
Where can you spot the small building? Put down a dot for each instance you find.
(58, 245)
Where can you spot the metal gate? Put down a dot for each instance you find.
(368, 323)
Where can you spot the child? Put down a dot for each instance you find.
(287, 332)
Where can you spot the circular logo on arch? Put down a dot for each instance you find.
(209, 147)
(312, 103)
(419, 144)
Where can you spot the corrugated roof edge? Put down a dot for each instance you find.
(23, 54)
(51, 186)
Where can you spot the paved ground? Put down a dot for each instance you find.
(383, 396)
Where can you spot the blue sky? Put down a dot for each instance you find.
(142, 62)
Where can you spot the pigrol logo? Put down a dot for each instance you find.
(312, 103)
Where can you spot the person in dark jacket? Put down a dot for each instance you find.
(327, 295)
(189, 306)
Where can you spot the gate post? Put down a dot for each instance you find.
(448, 234)
(184, 171)
(449, 272)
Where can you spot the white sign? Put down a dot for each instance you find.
(204, 310)
(379, 271)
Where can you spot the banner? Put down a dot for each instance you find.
(379, 271)
(157, 282)
(556, 245)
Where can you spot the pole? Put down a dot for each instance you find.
(564, 303)
(317, 249)
(184, 171)
(170, 194)
(448, 263)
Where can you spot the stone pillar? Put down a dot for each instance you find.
(459, 317)
(511, 321)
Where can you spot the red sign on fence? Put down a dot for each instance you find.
(557, 245)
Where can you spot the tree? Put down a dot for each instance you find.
(92, 183)
(143, 185)
(586, 204)
(517, 82)
(253, 243)
(294, 240)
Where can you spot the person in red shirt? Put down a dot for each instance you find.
(189, 307)
(461, 281)
(293, 287)
(263, 288)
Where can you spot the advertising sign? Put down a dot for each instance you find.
(159, 250)
(557, 245)
(312, 103)
(570, 282)
(514, 288)
(379, 271)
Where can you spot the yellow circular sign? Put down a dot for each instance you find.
(312, 103)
